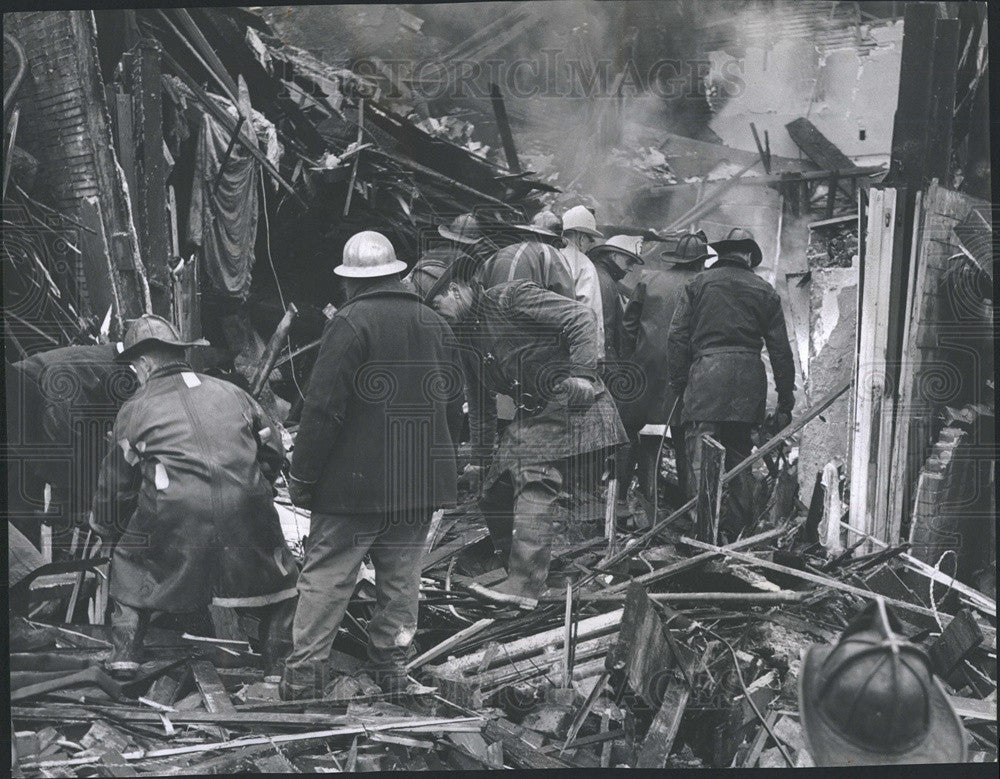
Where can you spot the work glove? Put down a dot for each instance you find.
(300, 492)
(471, 478)
(782, 419)
(579, 391)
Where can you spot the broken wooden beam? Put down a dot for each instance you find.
(818, 148)
(958, 639)
(211, 687)
(432, 724)
(449, 643)
(516, 750)
(659, 739)
(713, 464)
(745, 598)
(823, 581)
(503, 126)
(272, 350)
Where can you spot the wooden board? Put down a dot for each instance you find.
(659, 740)
(869, 370)
(642, 653)
(211, 687)
(820, 149)
(957, 640)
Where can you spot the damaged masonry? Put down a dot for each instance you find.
(504, 385)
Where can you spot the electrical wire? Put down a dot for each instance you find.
(274, 273)
(746, 692)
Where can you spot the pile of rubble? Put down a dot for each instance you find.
(658, 650)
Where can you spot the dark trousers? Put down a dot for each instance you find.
(335, 548)
(270, 626)
(737, 502)
(644, 450)
(529, 507)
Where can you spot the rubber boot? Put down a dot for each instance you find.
(530, 558)
(297, 685)
(128, 628)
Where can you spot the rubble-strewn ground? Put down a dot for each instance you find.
(678, 656)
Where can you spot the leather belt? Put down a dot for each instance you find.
(727, 350)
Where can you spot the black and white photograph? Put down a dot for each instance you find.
(499, 386)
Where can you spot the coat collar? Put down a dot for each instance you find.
(169, 370)
(393, 287)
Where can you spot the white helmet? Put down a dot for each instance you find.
(368, 254)
(580, 218)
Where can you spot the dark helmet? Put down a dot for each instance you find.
(150, 328)
(872, 699)
(740, 239)
(690, 250)
(430, 277)
(464, 228)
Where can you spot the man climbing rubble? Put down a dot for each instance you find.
(186, 497)
(541, 349)
(723, 317)
(373, 457)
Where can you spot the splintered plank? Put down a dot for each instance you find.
(818, 148)
(211, 687)
(956, 641)
(659, 740)
(642, 652)
(445, 551)
(713, 456)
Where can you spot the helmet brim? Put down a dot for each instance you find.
(604, 249)
(371, 271)
(581, 229)
(124, 355)
(742, 245)
(535, 230)
(678, 260)
(944, 742)
(444, 232)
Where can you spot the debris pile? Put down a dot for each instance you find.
(659, 649)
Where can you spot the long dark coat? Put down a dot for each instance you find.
(61, 404)
(724, 316)
(383, 407)
(186, 484)
(527, 339)
(645, 325)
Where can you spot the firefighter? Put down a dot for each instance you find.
(645, 323)
(374, 456)
(186, 497)
(724, 316)
(542, 349)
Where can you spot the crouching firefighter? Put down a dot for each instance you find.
(186, 494)
(541, 349)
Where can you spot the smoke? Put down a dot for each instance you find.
(590, 87)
